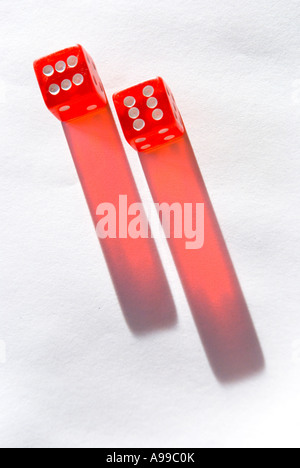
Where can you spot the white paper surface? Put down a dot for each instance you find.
(71, 372)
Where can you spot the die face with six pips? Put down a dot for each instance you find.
(148, 115)
(69, 83)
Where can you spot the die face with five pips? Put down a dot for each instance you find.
(69, 83)
(148, 115)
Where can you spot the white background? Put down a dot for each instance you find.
(73, 375)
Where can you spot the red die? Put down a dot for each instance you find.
(148, 115)
(70, 84)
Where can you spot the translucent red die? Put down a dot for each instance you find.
(149, 115)
(70, 83)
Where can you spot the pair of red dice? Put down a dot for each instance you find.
(71, 88)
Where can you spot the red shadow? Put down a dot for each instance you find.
(134, 264)
(208, 276)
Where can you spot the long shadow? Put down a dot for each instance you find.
(208, 276)
(134, 264)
